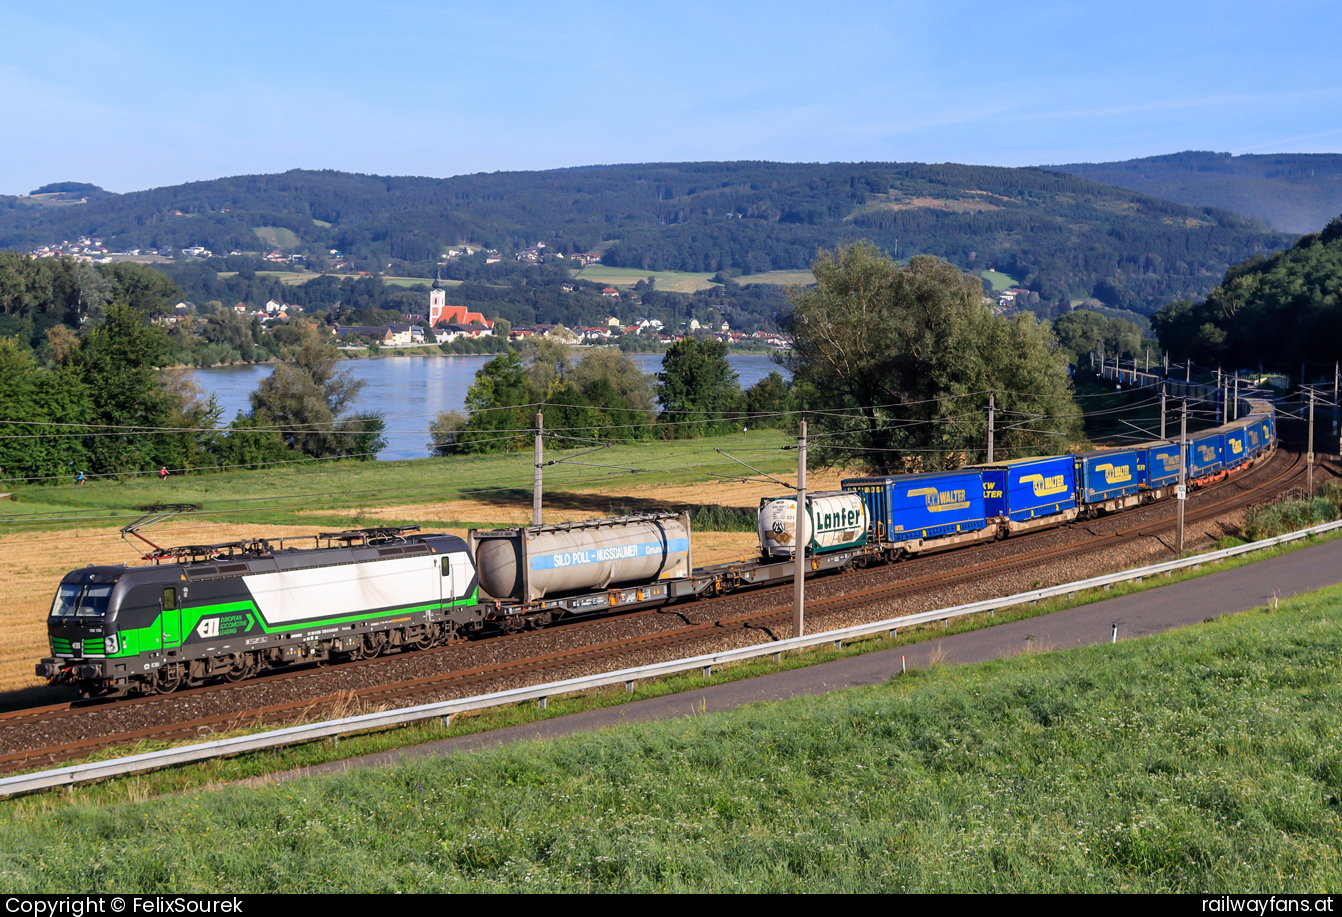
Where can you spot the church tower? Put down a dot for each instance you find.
(437, 300)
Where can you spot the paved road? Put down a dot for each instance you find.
(1150, 612)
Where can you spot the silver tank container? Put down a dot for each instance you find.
(527, 564)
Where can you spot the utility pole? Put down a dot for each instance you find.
(1220, 393)
(1188, 371)
(991, 406)
(1309, 449)
(1148, 361)
(536, 481)
(803, 537)
(1183, 473)
(1234, 401)
(1162, 410)
(1167, 364)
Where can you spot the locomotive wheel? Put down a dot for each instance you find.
(243, 669)
(422, 642)
(168, 679)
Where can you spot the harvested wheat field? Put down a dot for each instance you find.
(718, 493)
(32, 564)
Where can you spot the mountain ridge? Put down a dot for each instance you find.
(1069, 238)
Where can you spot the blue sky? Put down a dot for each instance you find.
(132, 96)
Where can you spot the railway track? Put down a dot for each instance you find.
(1229, 496)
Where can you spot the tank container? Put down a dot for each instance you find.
(528, 564)
(836, 520)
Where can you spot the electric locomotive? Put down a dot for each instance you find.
(231, 610)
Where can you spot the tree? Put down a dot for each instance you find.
(1083, 331)
(142, 288)
(443, 432)
(600, 394)
(767, 401)
(117, 362)
(696, 387)
(900, 362)
(32, 394)
(305, 399)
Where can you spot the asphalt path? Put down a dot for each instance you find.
(1151, 612)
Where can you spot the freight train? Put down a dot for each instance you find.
(228, 611)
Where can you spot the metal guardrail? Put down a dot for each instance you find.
(83, 773)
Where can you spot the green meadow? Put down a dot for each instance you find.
(331, 492)
(1203, 760)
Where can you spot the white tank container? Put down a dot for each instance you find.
(836, 520)
(527, 564)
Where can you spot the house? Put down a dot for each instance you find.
(375, 332)
(240, 308)
(611, 292)
(443, 334)
(401, 335)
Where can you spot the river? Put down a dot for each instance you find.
(409, 391)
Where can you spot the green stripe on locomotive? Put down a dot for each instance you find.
(149, 639)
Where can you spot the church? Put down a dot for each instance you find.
(441, 313)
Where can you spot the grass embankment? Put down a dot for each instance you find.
(1202, 760)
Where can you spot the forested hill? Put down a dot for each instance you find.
(1067, 238)
(1276, 311)
(1292, 192)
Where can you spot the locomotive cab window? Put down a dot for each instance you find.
(447, 566)
(67, 600)
(81, 601)
(170, 599)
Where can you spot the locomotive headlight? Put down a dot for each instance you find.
(111, 645)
